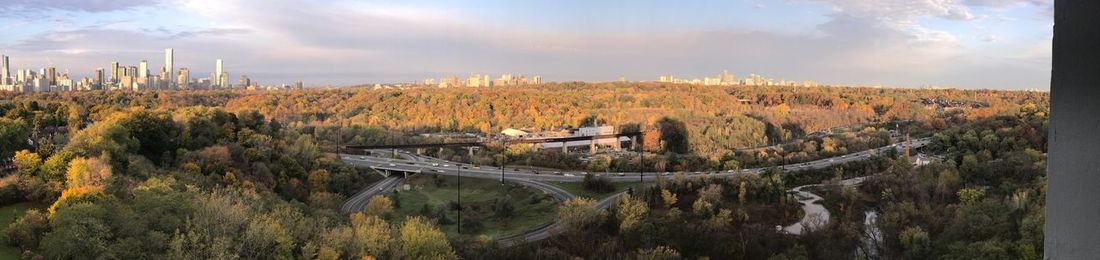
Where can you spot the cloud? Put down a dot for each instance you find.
(92, 6)
(352, 42)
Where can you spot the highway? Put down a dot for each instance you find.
(359, 200)
(437, 166)
(535, 179)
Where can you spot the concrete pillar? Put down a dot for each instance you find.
(471, 150)
(1073, 179)
(617, 145)
(592, 146)
(564, 149)
(633, 143)
(440, 151)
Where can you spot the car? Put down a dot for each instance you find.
(435, 164)
(446, 165)
(584, 173)
(392, 165)
(558, 173)
(731, 171)
(620, 174)
(697, 172)
(665, 173)
(362, 157)
(410, 163)
(515, 169)
(536, 172)
(438, 170)
(569, 175)
(831, 160)
(464, 167)
(477, 167)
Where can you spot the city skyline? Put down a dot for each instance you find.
(968, 44)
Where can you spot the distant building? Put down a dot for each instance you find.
(512, 132)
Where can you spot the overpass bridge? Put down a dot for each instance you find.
(471, 146)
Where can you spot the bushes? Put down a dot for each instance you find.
(598, 184)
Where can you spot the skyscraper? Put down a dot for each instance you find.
(114, 72)
(183, 81)
(5, 75)
(168, 64)
(97, 79)
(143, 69)
(51, 76)
(218, 73)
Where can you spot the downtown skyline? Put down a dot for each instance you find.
(967, 44)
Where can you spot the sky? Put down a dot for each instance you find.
(1000, 44)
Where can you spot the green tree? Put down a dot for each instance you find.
(13, 136)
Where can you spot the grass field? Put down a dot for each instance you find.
(532, 207)
(9, 214)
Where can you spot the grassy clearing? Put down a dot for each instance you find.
(9, 214)
(532, 207)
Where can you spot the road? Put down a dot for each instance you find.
(535, 179)
(359, 201)
(437, 166)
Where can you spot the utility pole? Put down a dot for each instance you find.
(641, 168)
(459, 197)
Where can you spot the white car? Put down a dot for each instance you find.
(392, 165)
(569, 175)
(446, 165)
(621, 174)
(666, 173)
(435, 164)
(731, 171)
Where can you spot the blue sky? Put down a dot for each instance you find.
(961, 43)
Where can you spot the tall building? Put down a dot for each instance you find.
(727, 78)
(218, 73)
(183, 80)
(114, 72)
(143, 69)
(5, 74)
(97, 79)
(168, 69)
(51, 76)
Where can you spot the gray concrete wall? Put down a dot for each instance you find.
(1073, 204)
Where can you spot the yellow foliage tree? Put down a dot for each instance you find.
(631, 211)
(420, 239)
(379, 205)
(87, 172)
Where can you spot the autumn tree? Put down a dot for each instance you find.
(578, 213)
(420, 239)
(631, 212)
(379, 206)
